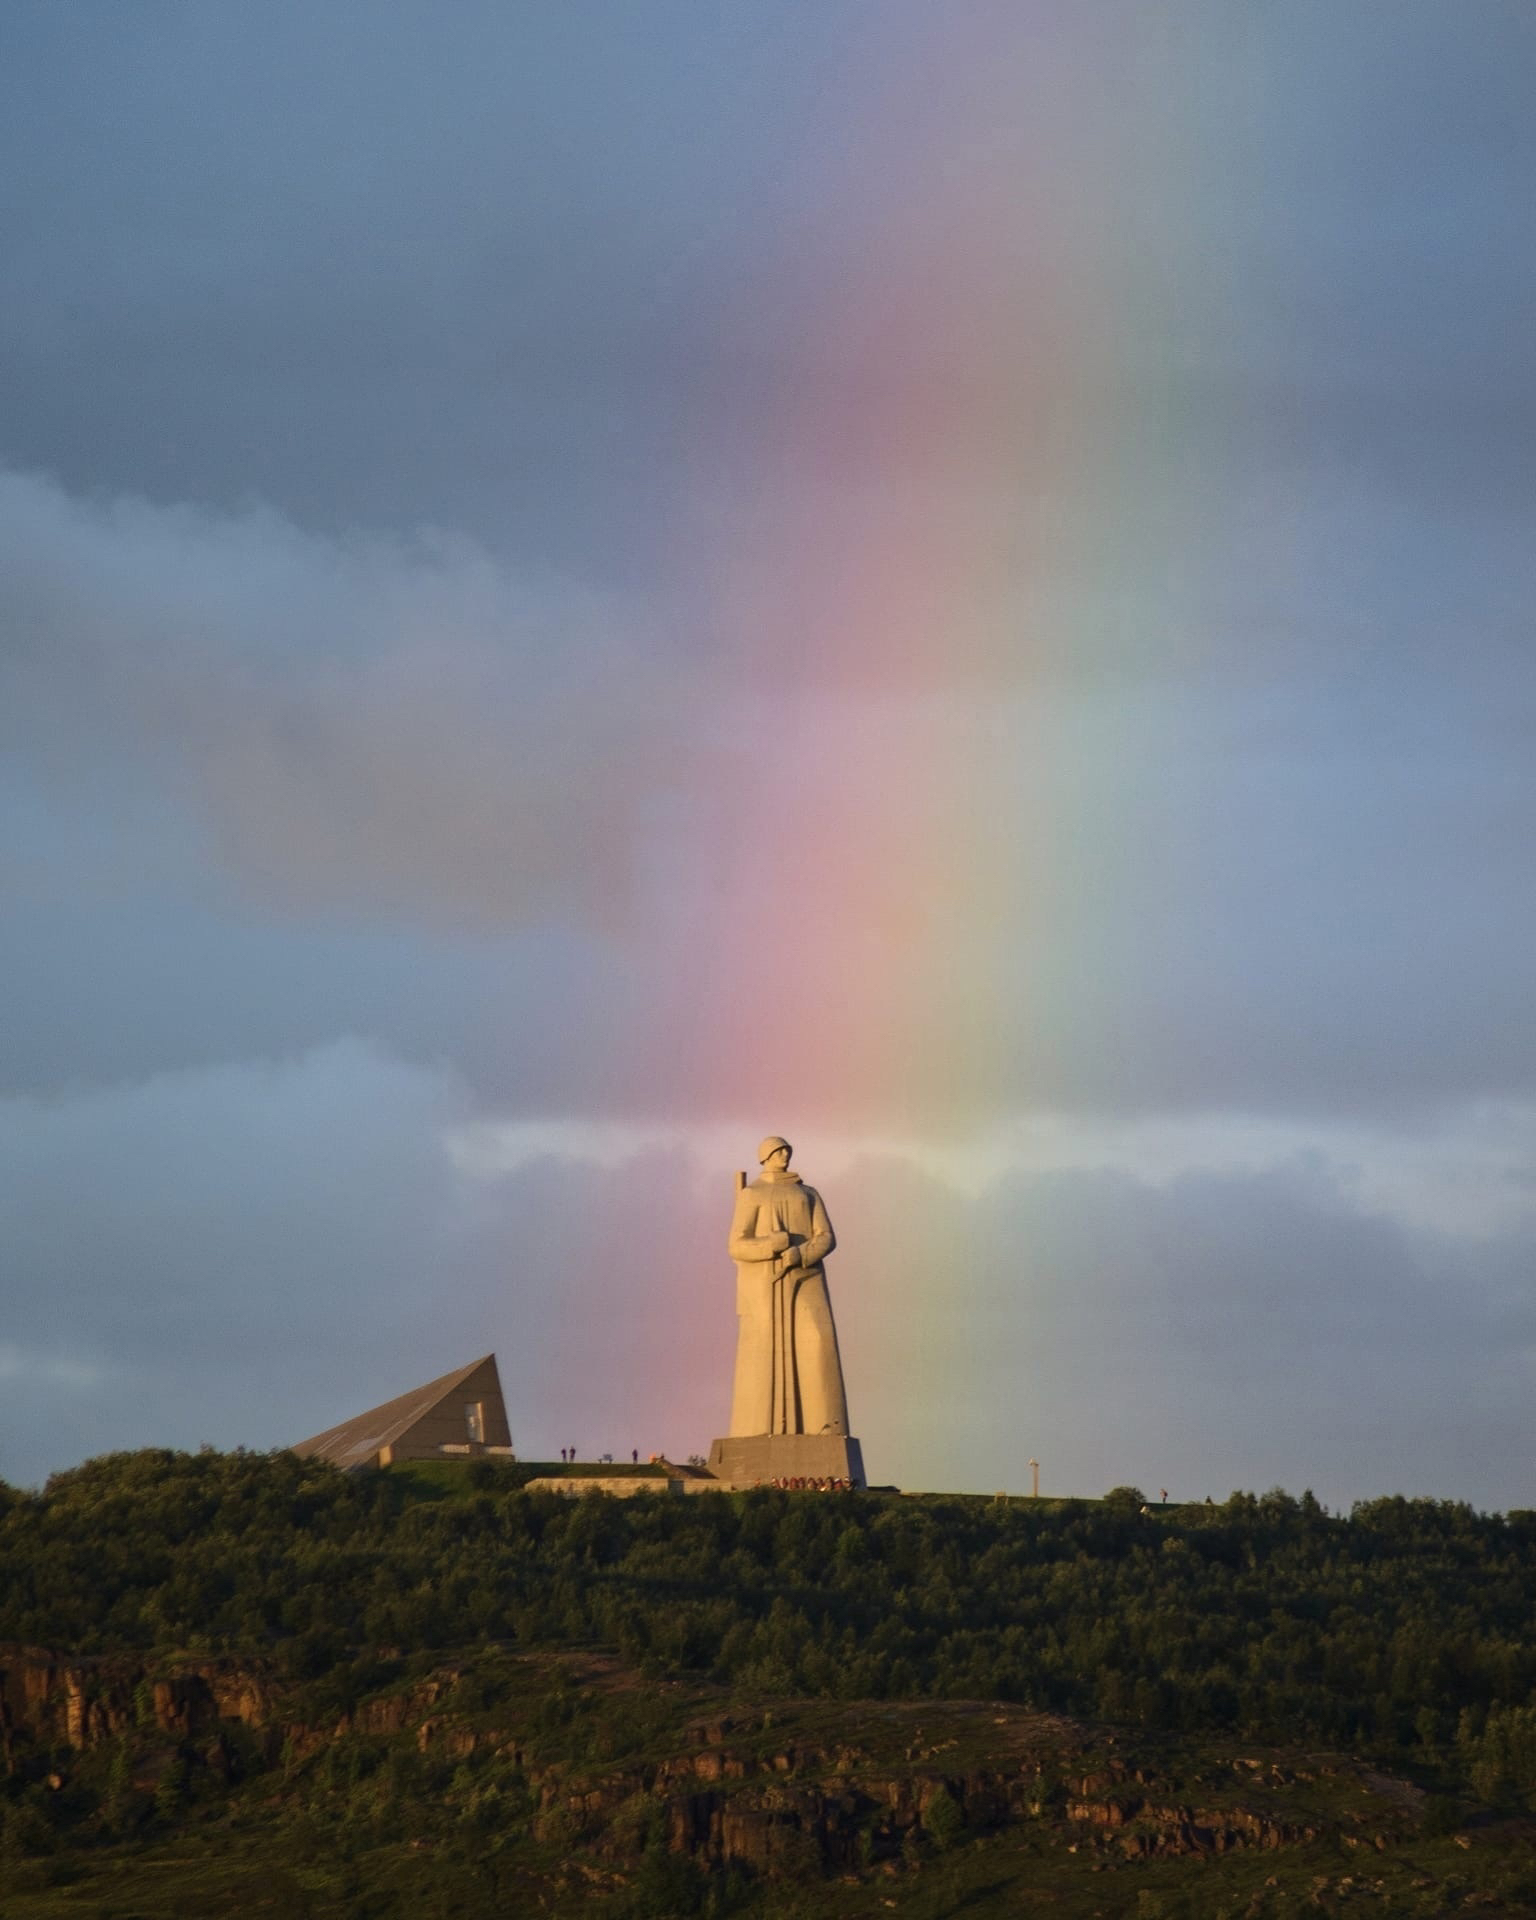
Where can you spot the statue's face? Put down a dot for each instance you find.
(778, 1160)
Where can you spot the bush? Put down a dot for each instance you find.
(26, 1834)
(667, 1885)
(1501, 1759)
(1441, 1816)
(944, 1820)
(171, 1792)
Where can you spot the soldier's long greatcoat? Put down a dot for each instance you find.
(789, 1375)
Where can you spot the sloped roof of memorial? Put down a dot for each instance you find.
(356, 1441)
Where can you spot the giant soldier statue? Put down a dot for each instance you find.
(789, 1411)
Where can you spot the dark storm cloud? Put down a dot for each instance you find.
(377, 266)
(1220, 1330)
(212, 1227)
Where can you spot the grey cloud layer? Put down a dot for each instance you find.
(396, 729)
(267, 787)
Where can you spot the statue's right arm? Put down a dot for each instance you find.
(745, 1245)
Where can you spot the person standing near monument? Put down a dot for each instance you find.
(789, 1374)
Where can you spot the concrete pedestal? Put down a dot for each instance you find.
(750, 1460)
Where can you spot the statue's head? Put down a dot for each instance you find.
(774, 1153)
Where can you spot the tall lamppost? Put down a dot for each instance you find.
(1034, 1472)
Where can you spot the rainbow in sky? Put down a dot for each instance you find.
(906, 859)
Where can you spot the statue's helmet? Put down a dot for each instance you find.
(768, 1148)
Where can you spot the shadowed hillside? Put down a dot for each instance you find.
(367, 1694)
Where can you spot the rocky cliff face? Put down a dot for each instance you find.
(52, 1699)
(776, 1790)
(732, 1802)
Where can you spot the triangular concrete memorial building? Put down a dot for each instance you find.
(461, 1414)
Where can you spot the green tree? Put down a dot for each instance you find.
(944, 1820)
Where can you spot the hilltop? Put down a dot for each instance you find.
(373, 1693)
